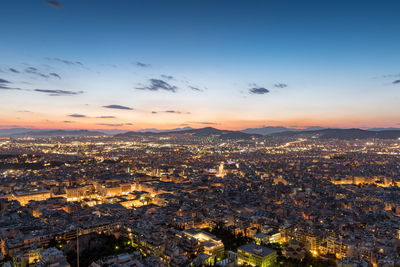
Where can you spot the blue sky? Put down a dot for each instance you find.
(330, 63)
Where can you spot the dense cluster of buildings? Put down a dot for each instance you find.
(333, 200)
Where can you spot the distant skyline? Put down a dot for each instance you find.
(131, 65)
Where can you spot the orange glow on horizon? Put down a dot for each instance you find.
(224, 125)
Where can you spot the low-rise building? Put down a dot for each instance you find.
(256, 255)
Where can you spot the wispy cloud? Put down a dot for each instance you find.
(204, 122)
(258, 90)
(65, 61)
(175, 112)
(4, 85)
(106, 117)
(168, 77)
(114, 124)
(111, 124)
(35, 71)
(195, 88)
(157, 84)
(142, 65)
(58, 92)
(13, 70)
(13, 126)
(75, 115)
(54, 4)
(280, 85)
(55, 75)
(170, 112)
(117, 107)
(68, 121)
(396, 81)
(389, 76)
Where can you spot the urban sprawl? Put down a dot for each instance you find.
(152, 200)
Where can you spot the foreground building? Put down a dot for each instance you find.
(212, 245)
(256, 255)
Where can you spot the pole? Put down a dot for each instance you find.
(77, 243)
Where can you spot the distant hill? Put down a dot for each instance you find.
(266, 130)
(384, 129)
(202, 132)
(342, 134)
(155, 130)
(53, 133)
(11, 131)
(277, 129)
(311, 132)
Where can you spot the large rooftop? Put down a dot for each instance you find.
(256, 249)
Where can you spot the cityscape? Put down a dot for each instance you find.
(200, 133)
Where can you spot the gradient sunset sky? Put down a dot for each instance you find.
(228, 64)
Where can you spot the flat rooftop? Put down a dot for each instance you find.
(256, 249)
